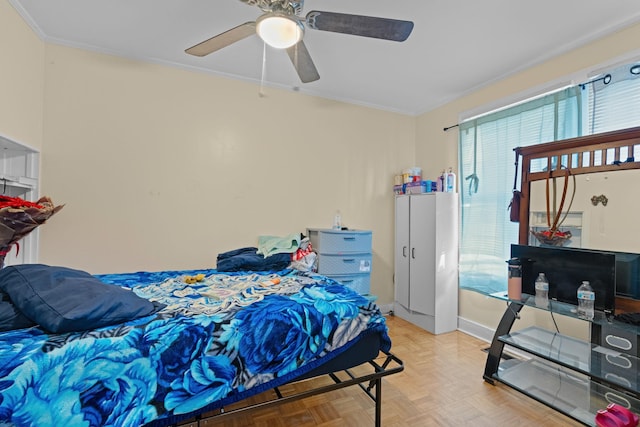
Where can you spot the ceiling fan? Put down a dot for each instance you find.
(281, 26)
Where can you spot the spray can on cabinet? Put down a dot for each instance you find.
(442, 182)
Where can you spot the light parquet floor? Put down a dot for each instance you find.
(441, 385)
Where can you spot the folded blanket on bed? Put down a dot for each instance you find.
(271, 245)
(248, 259)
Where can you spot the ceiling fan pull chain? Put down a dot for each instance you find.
(264, 70)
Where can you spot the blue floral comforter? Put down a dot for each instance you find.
(220, 339)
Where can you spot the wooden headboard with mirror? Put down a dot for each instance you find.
(605, 152)
(607, 201)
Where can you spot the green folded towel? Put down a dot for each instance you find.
(270, 245)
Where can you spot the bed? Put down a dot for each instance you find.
(200, 341)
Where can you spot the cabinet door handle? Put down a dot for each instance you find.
(349, 261)
(413, 253)
(404, 251)
(349, 238)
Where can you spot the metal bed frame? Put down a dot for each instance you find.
(376, 371)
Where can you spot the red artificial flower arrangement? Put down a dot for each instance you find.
(553, 236)
(20, 217)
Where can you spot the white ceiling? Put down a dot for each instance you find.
(457, 46)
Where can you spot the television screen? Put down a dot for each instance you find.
(627, 269)
(627, 274)
(566, 269)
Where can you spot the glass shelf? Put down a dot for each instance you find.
(575, 377)
(569, 310)
(589, 359)
(554, 306)
(567, 391)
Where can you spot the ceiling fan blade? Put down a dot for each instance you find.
(223, 40)
(359, 25)
(303, 63)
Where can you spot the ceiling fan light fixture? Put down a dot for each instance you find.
(279, 31)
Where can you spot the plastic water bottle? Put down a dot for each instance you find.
(542, 291)
(586, 301)
(337, 221)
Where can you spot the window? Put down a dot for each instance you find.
(486, 162)
(613, 103)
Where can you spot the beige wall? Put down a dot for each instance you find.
(436, 149)
(21, 83)
(162, 168)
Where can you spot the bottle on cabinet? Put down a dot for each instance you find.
(442, 182)
(450, 182)
(337, 221)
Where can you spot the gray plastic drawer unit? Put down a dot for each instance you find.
(344, 256)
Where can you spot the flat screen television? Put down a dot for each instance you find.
(627, 274)
(566, 268)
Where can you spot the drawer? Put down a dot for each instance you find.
(601, 396)
(339, 242)
(620, 369)
(360, 283)
(344, 264)
(619, 339)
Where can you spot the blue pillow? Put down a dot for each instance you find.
(11, 318)
(61, 299)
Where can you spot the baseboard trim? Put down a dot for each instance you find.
(486, 334)
(386, 309)
(466, 326)
(475, 329)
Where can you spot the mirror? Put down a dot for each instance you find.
(610, 224)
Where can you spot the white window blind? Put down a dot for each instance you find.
(615, 105)
(486, 162)
(487, 172)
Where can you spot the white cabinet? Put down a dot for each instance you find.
(426, 260)
(19, 166)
